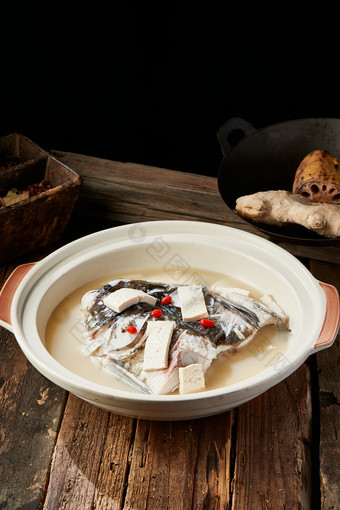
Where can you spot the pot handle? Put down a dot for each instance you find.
(233, 125)
(7, 293)
(331, 323)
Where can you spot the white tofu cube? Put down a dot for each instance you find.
(191, 378)
(156, 352)
(122, 298)
(192, 303)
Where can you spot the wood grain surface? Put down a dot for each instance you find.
(30, 413)
(328, 364)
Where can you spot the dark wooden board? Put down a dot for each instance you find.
(328, 364)
(273, 447)
(237, 459)
(102, 460)
(91, 458)
(181, 465)
(30, 413)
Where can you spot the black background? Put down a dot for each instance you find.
(152, 83)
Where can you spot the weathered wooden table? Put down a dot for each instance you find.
(278, 451)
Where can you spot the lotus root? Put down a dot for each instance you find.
(318, 178)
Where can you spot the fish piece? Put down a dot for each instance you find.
(259, 313)
(272, 305)
(158, 348)
(126, 376)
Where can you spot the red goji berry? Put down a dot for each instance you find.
(157, 313)
(131, 329)
(207, 323)
(166, 300)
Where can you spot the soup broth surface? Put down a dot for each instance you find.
(63, 335)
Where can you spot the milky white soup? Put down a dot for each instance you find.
(63, 336)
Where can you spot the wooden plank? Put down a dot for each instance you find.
(30, 411)
(100, 461)
(175, 459)
(329, 394)
(273, 448)
(91, 459)
(129, 193)
(126, 192)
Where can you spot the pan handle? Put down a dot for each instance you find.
(233, 125)
(7, 293)
(331, 323)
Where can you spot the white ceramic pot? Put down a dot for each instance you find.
(33, 290)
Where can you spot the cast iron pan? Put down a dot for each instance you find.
(267, 159)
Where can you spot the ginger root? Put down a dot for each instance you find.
(318, 178)
(280, 207)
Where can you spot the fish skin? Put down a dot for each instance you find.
(237, 317)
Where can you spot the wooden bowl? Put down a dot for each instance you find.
(39, 220)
